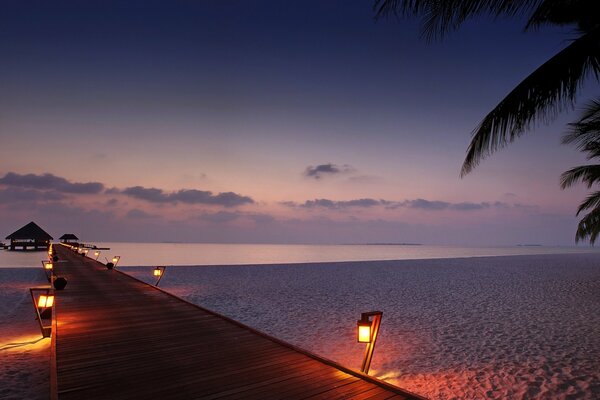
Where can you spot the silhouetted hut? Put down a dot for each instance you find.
(69, 238)
(29, 237)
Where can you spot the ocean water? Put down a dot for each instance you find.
(140, 254)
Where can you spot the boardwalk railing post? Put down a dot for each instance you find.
(367, 331)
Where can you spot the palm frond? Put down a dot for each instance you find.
(588, 174)
(540, 96)
(583, 13)
(589, 226)
(586, 131)
(592, 149)
(592, 201)
(440, 17)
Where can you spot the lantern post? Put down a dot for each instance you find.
(367, 332)
(158, 273)
(43, 302)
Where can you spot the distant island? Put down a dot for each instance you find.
(391, 244)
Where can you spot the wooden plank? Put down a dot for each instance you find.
(119, 338)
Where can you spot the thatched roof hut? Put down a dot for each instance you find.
(69, 238)
(29, 237)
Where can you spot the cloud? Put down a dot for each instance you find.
(421, 204)
(426, 204)
(466, 206)
(50, 182)
(319, 171)
(331, 204)
(138, 214)
(187, 196)
(13, 195)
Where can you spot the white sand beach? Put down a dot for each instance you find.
(519, 327)
(24, 355)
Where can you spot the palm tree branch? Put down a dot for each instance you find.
(588, 174)
(544, 93)
(439, 17)
(589, 226)
(586, 130)
(591, 201)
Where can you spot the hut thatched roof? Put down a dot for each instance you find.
(68, 236)
(30, 231)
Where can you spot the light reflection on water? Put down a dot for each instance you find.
(134, 254)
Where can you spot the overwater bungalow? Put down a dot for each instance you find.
(69, 238)
(29, 237)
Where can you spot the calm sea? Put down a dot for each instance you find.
(139, 254)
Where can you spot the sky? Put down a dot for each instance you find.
(270, 122)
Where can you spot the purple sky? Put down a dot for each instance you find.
(280, 122)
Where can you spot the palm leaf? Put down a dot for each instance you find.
(586, 131)
(589, 226)
(592, 201)
(544, 93)
(442, 16)
(584, 13)
(588, 174)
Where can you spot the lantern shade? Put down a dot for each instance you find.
(115, 259)
(363, 334)
(45, 301)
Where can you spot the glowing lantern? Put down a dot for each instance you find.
(85, 252)
(97, 253)
(115, 259)
(364, 331)
(158, 274)
(45, 301)
(48, 265)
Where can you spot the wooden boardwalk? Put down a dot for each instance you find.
(118, 338)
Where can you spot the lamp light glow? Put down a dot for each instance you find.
(97, 253)
(48, 265)
(45, 301)
(158, 273)
(364, 332)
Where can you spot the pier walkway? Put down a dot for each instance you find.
(115, 337)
